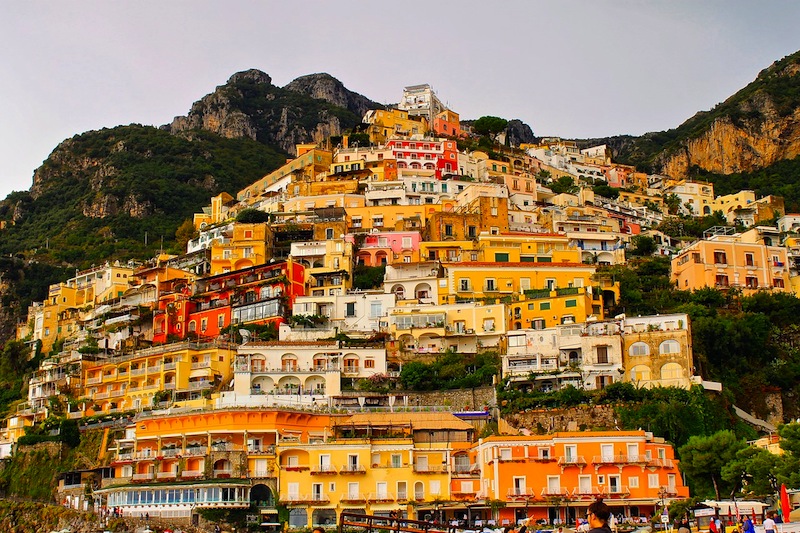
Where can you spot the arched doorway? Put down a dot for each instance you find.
(261, 496)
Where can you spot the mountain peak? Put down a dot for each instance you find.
(323, 86)
(252, 74)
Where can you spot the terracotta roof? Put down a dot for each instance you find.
(415, 419)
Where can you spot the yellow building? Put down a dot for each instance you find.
(309, 162)
(185, 369)
(386, 123)
(657, 351)
(250, 244)
(544, 308)
(373, 464)
(697, 198)
(217, 212)
(390, 217)
(467, 281)
(431, 329)
(725, 261)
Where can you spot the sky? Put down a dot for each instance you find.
(570, 68)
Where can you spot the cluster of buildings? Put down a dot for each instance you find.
(478, 254)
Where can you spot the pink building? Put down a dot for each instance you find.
(387, 247)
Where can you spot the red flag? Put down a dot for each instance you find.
(786, 508)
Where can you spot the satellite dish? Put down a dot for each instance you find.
(245, 333)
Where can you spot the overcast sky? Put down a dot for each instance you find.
(569, 68)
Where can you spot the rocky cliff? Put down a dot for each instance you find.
(309, 109)
(325, 87)
(727, 147)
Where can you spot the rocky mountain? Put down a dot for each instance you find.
(325, 87)
(753, 129)
(309, 109)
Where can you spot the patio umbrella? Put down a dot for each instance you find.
(786, 508)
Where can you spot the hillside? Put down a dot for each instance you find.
(755, 128)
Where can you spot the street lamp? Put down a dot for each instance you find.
(662, 493)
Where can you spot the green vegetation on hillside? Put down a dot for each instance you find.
(166, 178)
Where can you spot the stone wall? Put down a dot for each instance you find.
(595, 417)
(475, 399)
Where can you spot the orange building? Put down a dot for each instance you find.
(555, 477)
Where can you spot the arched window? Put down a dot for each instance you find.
(640, 373)
(639, 348)
(671, 371)
(669, 347)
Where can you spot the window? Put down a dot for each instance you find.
(463, 284)
(652, 481)
(220, 321)
(602, 354)
(751, 282)
(448, 230)
(501, 258)
(639, 348)
(669, 347)
(721, 280)
(406, 242)
(544, 306)
(375, 309)
(369, 363)
(203, 324)
(397, 460)
(490, 284)
(571, 303)
(778, 282)
(505, 454)
(633, 482)
(329, 233)
(350, 309)
(720, 258)
(544, 453)
(748, 260)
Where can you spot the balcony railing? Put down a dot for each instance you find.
(166, 475)
(170, 366)
(143, 477)
(521, 493)
(574, 460)
(191, 473)
(430, 469)
(195, 451)
(94, 381)
(323, 469)
(380, 497)
(353, 469)
(227, 472)
(197, 385)
(201, 364)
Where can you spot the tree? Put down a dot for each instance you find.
(755, 470)
(673, 203)
(606, 191)
(643, 245)
(185, 233)
(703, 457)
(489, 126)
(564, 184)
(252, 216)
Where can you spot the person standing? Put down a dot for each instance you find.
(769, 523)
(747, 525)
(597, 515)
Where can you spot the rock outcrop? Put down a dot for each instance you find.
(323, 86)
(309, 109)
(726, 148)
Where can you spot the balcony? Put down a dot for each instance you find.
(166, 475)
(171, 452)
(380, 497)
(261, 450)
(154, 369)
(227, 472)
(430, 469)
(619, 459)
(352, 469)
(323, 470)
(199, 385)
(550, 492)
(661, 463)
(520, 494)
(354, 498)
(191, 474)
(578, 460)
(195, 451)
(102, 395)
(138, 371)
(147, 476)
(588, 492)
(94, 381)
(170, 366)
(620, 491)
(201, 364)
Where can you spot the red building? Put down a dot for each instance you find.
(254, 295)
(432, 155)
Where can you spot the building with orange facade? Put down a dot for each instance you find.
(555, 477)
